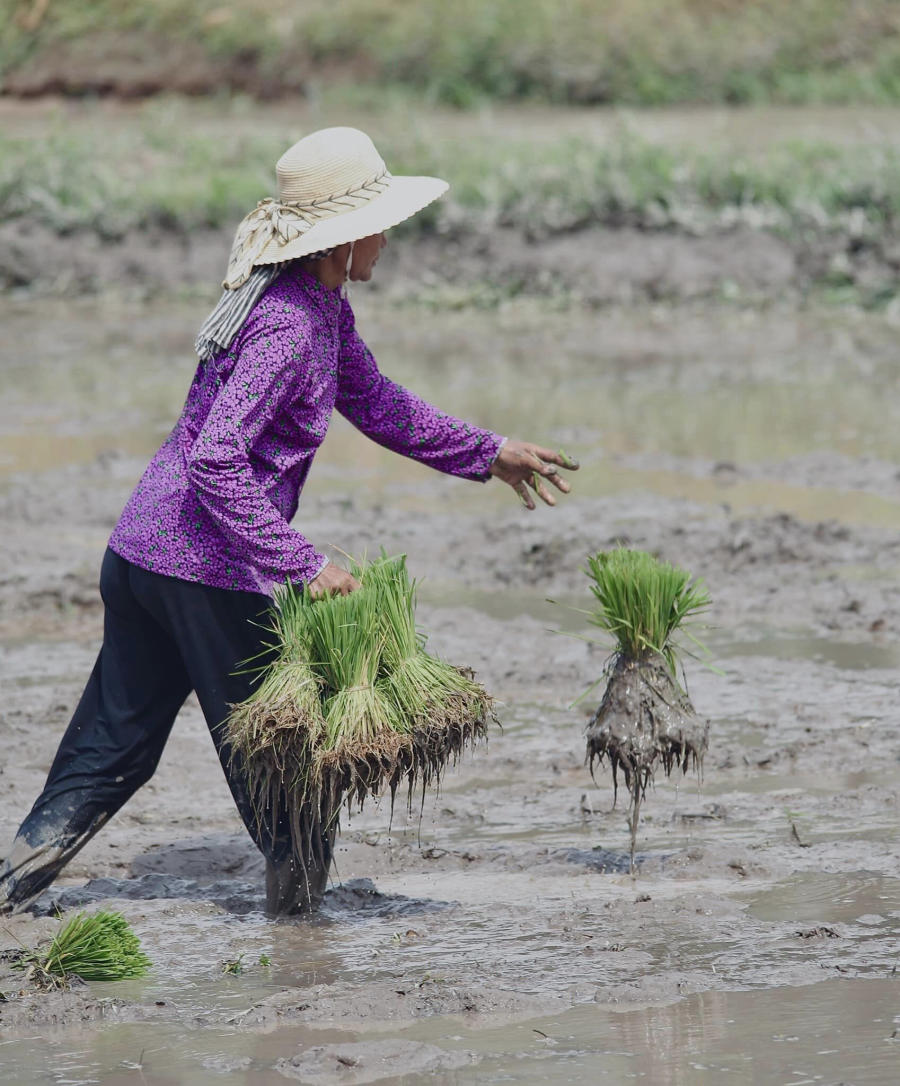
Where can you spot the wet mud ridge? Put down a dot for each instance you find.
(598, 265)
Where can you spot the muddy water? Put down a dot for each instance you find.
(796, 1035)
(496, 936)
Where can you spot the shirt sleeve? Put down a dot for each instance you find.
(272, 369)
(399, 420)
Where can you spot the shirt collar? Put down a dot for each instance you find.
(329, 297)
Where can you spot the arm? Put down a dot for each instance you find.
(272, 370)
(400, 420)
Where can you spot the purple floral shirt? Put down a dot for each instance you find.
(215, 503)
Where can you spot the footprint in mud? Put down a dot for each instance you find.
(369, 1061)
(357, 898)
(232, 895)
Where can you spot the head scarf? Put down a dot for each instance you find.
(234, 306)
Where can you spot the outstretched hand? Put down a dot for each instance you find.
(524, 465)
(333, 581)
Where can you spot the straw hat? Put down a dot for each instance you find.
(333, 187)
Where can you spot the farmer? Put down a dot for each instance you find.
(190, 567)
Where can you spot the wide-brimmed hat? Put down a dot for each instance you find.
(333, 187)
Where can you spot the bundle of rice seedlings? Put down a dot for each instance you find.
(271, 735)
(350, 706)
(363, 728)
(97, 947)
(645, 717)
(441, 708)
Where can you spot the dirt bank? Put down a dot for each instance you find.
(599, 266)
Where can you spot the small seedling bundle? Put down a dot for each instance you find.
(351, 706)
(645, 718)
(99, 946)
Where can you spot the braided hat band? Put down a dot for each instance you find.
(333, 187)
(284, 222)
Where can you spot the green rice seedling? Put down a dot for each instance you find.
(645, 717)
(272, 734)
(643, 602)
(439, 707)
(422, 688)
(234, 967)
(100, 946)
(345, 644)
(349, 704)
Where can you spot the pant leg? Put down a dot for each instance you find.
(217, 632)
(112, 745)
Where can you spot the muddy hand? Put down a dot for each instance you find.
(524, 465)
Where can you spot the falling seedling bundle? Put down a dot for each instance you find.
(645, 717)
(351, 706)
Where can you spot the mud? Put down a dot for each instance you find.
(644, 722)
(372, 1061)
(597, 265)
(501, 933)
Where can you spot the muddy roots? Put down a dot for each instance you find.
(645, 720)
(299, 787)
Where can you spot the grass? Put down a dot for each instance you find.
(100, 946)
(422, 690)
(370, 707)
(169, 168)
(645, 52)
(643, 603)
(345, 641)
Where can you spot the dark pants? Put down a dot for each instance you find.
(162, 638)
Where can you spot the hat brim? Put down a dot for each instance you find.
(403, 197)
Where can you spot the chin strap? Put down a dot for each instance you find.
(345, 288)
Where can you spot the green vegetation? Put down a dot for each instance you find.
(644, 52)
(643, 602)
(422, 690)
(350, 704)
(170, 169)
(350, 675)
(645, 718)
(234, 967)
(100, 946)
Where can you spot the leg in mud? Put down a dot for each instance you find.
(292, 887)
(111, 747)
(218, 632)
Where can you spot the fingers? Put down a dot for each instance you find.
(522, 465)
(556, 457)
(347, 584)
(542, 492)
(526, 499)
(546, 461)
(551, 474)
(332, 581)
